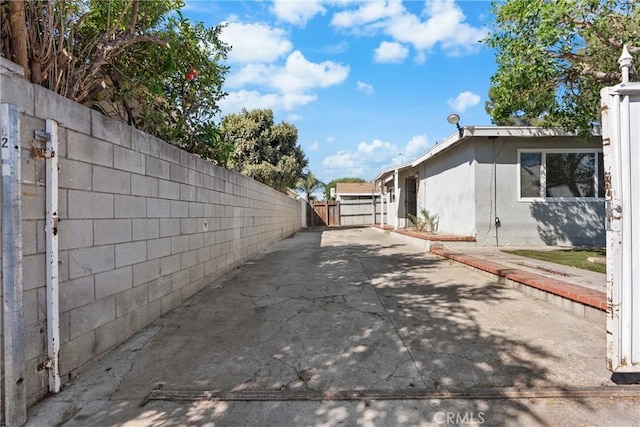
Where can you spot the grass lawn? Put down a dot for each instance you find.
(571, 257)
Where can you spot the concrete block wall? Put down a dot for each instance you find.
(143, 226)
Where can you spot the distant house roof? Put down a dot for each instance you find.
(356, 188)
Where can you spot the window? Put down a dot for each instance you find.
(560, 174)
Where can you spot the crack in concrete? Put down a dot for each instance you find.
(393, 324)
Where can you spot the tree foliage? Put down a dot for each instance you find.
(309, 184)
(332, 184)
(554, 57)
(138, 61)
(263, 150)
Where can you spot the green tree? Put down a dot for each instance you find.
(138, 61)
(309, 184)
(332, 184)
(554, 57)
(263, 150)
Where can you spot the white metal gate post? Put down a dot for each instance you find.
(621, 147)
(14, 388)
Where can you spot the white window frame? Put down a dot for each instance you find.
(543, 175)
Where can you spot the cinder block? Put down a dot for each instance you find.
(113, 282)
(130, 300)
(188, 225)
(33, 271)
(129, 160)
(29, 237)
(108, 180)
(89, 317)
(130, 253)
(106, 231)
(159, 287)
(146, 272)
(171, 301)
(111, 130)
(196, 210)
(169, 264)
(202, 195)
(169, 227)
(204, 254)
(188, 259)
(196, 241)
(187, 192)
(179, 209)
(169, 190)
(90, 150)
(158, 248)
(191, 289)
(69, 114)
(33, 200)
(196, 272)
(179, 173)
(76, 353)
(158, 168)
(35, 337)
(188, 159)
(144, 229)
(93, 260)
(63, 266)
(158, 208)
(75, 175)
(169, 152)
(31, 309)
(130, 206)
(179, 244)
(195, 178)
(113, 333)
(17, 91)
(76, 293)
(144, 143)
(180, 279)
(85, 204)
(144, 186)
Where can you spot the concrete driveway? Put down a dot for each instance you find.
(352, 327)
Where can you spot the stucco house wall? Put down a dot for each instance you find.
(447, 189)
(527, 222)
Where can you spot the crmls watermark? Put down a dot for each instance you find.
(459, 418)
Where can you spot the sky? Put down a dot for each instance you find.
(368, 84)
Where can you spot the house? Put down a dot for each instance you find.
(504, 186)
(356, 191)
(358, 202)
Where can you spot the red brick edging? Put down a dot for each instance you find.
(586, 296)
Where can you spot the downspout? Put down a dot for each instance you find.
(51, 233)
(13, 339)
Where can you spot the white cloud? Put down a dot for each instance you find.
(463, 101)
(300, 74)
(294, 117)
(235, 101)
(416, 146)
(255, 42)
(365, 88)
(314, 146)
(335, 49)
(297, 12)
(370, 158)
(442, 22)
(367, 13)
(286, 87)
(390, 52)
(366, 161)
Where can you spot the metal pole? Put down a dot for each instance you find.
(51, 232)
(15, 407)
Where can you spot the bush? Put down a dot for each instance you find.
(428, 223)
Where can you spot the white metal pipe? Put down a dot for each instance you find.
(51, 232)
(14, 388)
